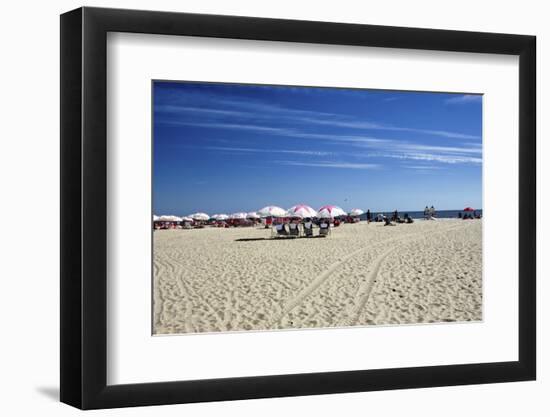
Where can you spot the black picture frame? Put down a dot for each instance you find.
(84, 207)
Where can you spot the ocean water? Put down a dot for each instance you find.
(441, 214)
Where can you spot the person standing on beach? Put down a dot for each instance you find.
(368, 216)
(426, 212)
(395, 216)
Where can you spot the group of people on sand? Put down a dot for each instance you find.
(395, 219)
(429, 213)
(469, 215)
(389, 221)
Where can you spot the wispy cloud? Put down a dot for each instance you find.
(328, 164)
(431, 157)
(236, 126)
(288, 132)
(244, 107)
(422, 167)
(375, 126)
(381, 148)
(443, 149)
(445, 155)
(270, 113)
(269, 151)
(365, 140)
(280, 131)
(471, 154)
(259, 108)
(168, 108)
(466, 98)
(445, 134)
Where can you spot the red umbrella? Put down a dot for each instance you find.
(468, 209)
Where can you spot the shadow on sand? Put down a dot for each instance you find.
(274, 239)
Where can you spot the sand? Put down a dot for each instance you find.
(210, 280)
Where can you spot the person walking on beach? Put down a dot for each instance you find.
(426, 212)
(432, 211)
(368, 216)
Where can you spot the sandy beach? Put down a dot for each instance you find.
(212, 279)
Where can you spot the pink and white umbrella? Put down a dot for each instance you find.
(329, 212)
(272, 211)
(302, 211)
(356, 212)
(238, 216)
(199, 216)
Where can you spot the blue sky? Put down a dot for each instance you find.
(234, 147)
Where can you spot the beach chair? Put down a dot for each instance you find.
(308, 229)
(324, 229)
(279, 230)
(293, 231)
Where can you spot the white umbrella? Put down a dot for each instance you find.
(301, 210)
(238, 216)
(166, 218)
(186, 219)
(272, 211)
(252, 215)
(356, 212)
(155, 218)
(220, 217)
(199, 216)
(329, 212)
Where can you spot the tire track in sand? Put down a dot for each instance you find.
(365, 289)
(321, 279)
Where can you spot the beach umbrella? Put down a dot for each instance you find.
(199, 216)
(186, 219)
(156, 218)
(329, 212)
(272, 211)
(238, 216)
(301, 210)
(356, 212)
(252, 215)
(468, 209)
(169, 218)
(220, 217)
